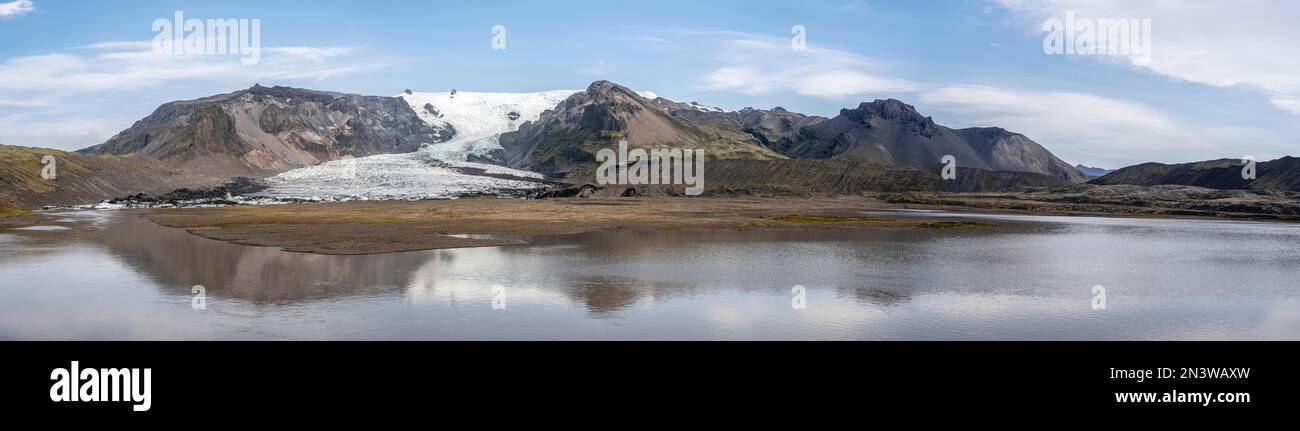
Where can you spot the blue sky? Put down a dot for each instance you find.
(1222, 81)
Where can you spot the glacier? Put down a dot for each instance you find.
(437, 170)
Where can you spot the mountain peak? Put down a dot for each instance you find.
(888, 109)
(282, 91)
(887, 105)
(603, 86)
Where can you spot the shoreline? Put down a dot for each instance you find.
(375, 227)
(1284, 209)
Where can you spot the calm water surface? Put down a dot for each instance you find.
(112, 275)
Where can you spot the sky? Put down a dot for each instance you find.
(1222, 80)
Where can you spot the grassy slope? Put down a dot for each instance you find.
(80, 178)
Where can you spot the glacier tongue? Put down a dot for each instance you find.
(437, 170)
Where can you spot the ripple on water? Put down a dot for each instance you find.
(43, 228)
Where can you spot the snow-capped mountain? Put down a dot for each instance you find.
(440, 170)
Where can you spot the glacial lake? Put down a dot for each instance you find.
(110, 275)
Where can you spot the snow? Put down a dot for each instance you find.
(437, 170)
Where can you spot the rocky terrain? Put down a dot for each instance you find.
(266, 130)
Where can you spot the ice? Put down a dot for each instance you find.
(437, 170)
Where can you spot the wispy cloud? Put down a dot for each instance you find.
(1289, 105)
(659, 42)
(15, 8)
(22, 103)
(51, 98)
(132, 65)
(1250, 42)
(600, 69)
(1091, 128)
(759, 64)
(68, 133)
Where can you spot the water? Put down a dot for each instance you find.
(111, 275)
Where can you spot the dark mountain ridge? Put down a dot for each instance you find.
(1224, 174)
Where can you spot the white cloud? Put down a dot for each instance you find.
(756, 64)
(16, 8)
(1219, 43)
(1290, 105)
(119, 44)
(22, 103)
(69, 134)
(124, 65)
(844, 83)
(1087, 128)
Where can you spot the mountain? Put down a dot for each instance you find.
(1224, 174)
(447, 169)
(1092, 172)
(308, 144)
(262, 131)
(564, 141)
(893, 132)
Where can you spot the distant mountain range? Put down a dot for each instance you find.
(306, 135)
(1223, 174)
(886, 132)
(1092, 172)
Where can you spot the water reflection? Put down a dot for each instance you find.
(114, 275)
